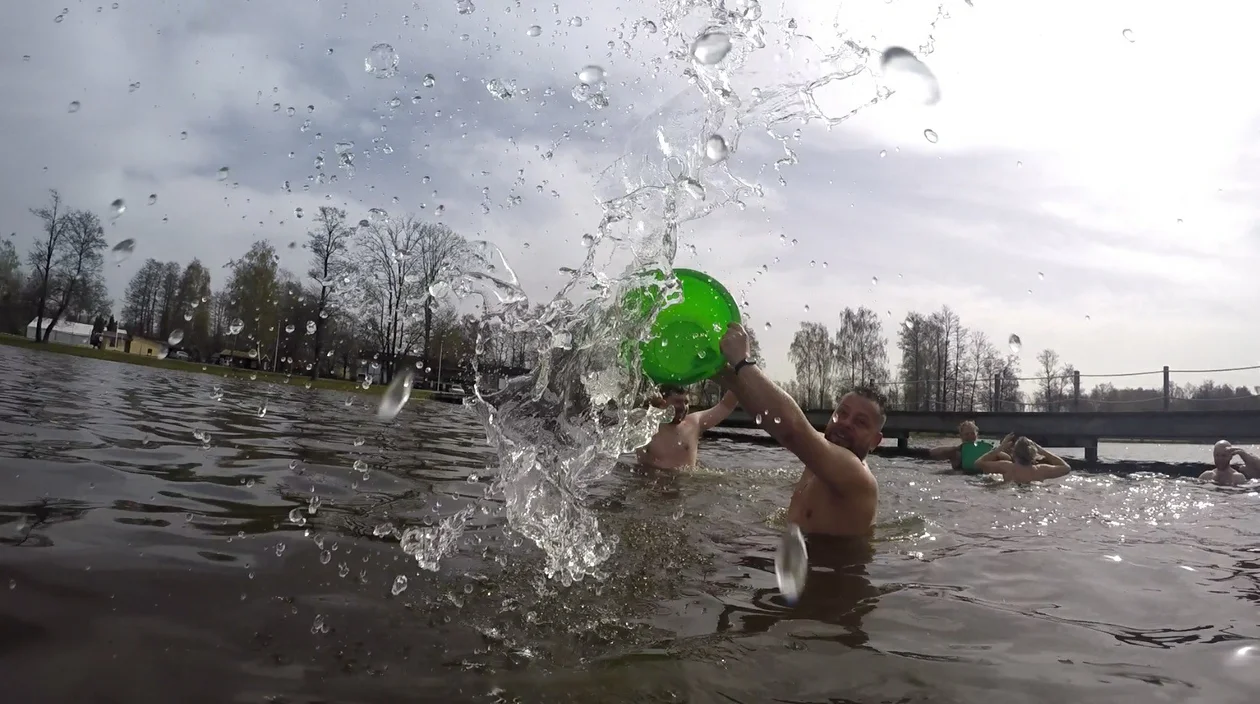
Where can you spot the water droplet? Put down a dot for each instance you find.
(465, 7)
(711, 47)
(395, 396)
(378, 215)
(296, 517)
(325, 557)
(533, 31)
(428, 81)
(183, 135)
(910, 76)
(806, 307)
(176, 337)
(768, 325)
(123, 249)
(400, 585)
(395, 102)
(883, 153)
(152, 198)
(223, 173)
(236, 326)
(1128, 34)
(649, 26)
(591, 75)
(74, 106)
(1041, 276)
(381, 61)
(118, 207)
(791, 563)
(1087, 318)
(715, 149)
(289, 328)
(874, 280)
(310, 327)
(297, 212)
(1014, 342)
(930, 135)
(575, 21)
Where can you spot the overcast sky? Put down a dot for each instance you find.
(1122, 167)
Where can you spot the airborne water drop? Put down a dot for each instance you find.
(1014, 342)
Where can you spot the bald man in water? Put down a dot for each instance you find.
(677, 443)
(1226, 474)
(836, 494)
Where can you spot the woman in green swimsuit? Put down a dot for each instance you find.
(963, 456)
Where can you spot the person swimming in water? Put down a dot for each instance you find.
(963, 455)
(677, 443)
(1225, 473)
(1028, 461)
(836, 494)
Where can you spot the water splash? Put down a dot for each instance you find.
(561, 428)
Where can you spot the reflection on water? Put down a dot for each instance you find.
(148, 554)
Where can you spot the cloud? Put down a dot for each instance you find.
(1123, 171)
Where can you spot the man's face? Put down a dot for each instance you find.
(1221, 454)
(680, 405)
(855, 425)
(967, 431)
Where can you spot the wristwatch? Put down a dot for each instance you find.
(745, 363)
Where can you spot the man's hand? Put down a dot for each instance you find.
(735, 345)
(1008, 442)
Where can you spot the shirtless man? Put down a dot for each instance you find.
(1029, 462)
(1225, 473)
(967, 432)
(677, 442)
(836, 494)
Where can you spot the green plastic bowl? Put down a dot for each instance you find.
(683, 345)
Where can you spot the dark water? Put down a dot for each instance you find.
(140, 564)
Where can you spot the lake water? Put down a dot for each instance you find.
(139, 563)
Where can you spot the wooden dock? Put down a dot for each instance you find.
(1083, 430)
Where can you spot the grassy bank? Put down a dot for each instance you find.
(176, 364)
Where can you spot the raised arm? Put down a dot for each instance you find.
(1052, 466)
(993, 461)
(1251, 463)
(839, 468)
(713, 416)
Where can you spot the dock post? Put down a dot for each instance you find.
(1091, 451)
(1076, 390)
(1167, 387)
(997, 392)
(903, 442)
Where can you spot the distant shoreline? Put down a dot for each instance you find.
(180, 365)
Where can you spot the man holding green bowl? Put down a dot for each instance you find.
(837, 494)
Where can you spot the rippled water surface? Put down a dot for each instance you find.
(144, 561)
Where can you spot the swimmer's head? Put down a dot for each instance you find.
(857, 424)
(677, 398)
(1222, 451)
(1024, 452)
(968, 431)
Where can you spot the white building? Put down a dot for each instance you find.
(67, 333)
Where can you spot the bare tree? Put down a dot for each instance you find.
(78, 265)
(328, 244)
(44, 254)
(1048, 361)
(439, 250)
(394, 294)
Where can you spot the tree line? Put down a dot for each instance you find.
(371, 290)
(946, 366)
